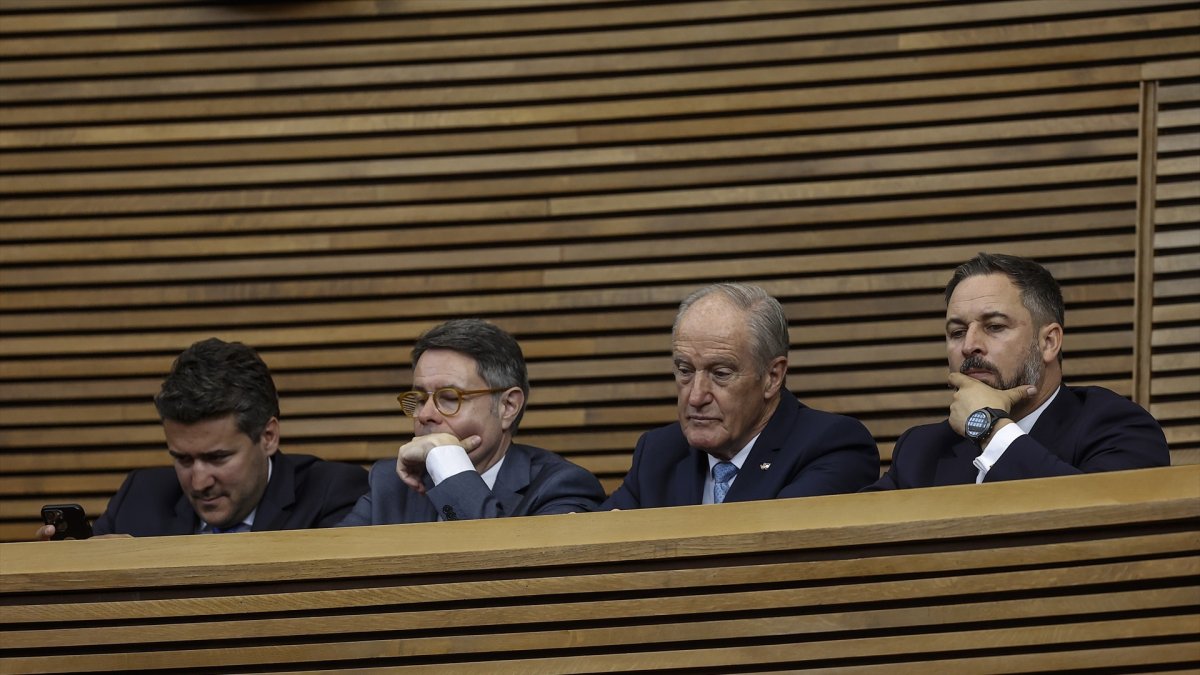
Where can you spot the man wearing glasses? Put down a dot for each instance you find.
(469, 391)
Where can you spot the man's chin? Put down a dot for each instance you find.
(704, 441)
(990, 379)
(211, 512)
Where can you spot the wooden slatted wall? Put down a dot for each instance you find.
(325, 180)
(1175, 334)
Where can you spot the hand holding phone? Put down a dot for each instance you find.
(69, 521)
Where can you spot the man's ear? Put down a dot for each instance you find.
(270, 437)
(1050, 339)
(776, 373)
(512, 401)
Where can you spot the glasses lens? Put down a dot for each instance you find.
(411, 402)
(448, 400)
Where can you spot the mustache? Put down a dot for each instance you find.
(977, 362)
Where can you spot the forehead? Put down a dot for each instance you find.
(445, 367)
(713, 327)
(219, 433)
(985, 294)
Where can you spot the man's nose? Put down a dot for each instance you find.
(202, 477)
(699, 390)
(974, 343)
(428, 411)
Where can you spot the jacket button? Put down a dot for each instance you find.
(448, 513)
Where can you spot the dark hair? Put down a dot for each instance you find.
(1040, 293)
(214, 378)
(767, 320)
(498, 357)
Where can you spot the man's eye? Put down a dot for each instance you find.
(956, 334)
(995, 327)
(722, 374)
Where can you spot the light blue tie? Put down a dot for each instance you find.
(723, 473)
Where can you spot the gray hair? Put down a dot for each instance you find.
(767, 320)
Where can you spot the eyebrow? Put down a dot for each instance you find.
(204, 455)
(952, 321)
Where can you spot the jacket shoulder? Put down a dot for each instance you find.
(811, 417)
(309, 465)
(154, 484)
(543, 460)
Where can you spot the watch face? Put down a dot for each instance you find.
(977, 424)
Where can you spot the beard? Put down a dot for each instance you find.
(1030, 373)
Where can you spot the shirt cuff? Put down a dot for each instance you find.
(995, 449)
(445, 461)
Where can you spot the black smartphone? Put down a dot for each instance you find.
(69, 521)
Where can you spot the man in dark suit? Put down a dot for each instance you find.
(469, 392)
(1011, 416)
(741, 436)
(220, 415)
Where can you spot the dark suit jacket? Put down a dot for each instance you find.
(304, 492)
(1084, 430)
(809, 452)
(531, 482)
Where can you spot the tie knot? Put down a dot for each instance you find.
(723, 472)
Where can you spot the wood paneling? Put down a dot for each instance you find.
(326, 180)
(1079, 572)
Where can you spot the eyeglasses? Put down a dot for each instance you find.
(447, 400)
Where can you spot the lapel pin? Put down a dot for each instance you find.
(764, 466)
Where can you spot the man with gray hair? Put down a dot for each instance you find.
(741, 435)
(468, 396)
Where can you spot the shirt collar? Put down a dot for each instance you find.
(738, 459)
(489, 476)
(1026, 423)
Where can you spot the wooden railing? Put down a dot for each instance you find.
(1040, 575)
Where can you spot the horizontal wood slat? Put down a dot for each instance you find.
(327, 180)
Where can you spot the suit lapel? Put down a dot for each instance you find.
(513, 478)
(957, 465)
(185, 520)
(279, 496)
(753, 481)
(1060, 415)
(689, 488)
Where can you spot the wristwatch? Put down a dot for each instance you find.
(981, 422)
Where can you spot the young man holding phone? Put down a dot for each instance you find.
(220, 415)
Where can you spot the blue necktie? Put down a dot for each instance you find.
(723, 472)
(240, 527)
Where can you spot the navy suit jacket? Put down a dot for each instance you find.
(304, 492)
(1084, 430)
(531, 482)
(809, 452)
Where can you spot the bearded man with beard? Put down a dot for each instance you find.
(1011, 416)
